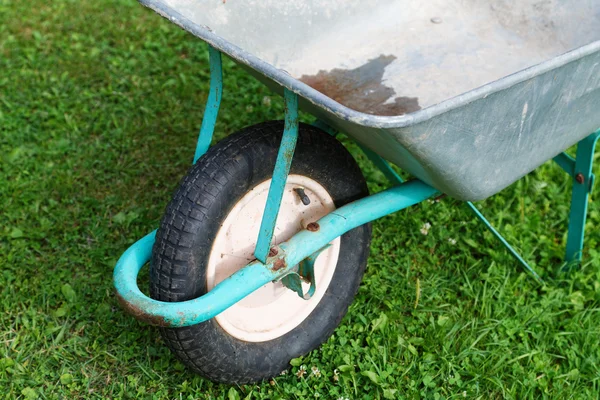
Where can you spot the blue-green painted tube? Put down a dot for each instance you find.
(355, 214)
(185, 313)
(566, 162)
(498, 236)
(283, 164)
(211, 110)
(322, 125)
(256, 274)
(582, 186)
(383, 166)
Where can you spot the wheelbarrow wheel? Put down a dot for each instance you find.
(209, 231)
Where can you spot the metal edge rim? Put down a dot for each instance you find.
(345, 113)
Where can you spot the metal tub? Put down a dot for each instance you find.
(467, 95)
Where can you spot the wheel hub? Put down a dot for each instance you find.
(273, 310)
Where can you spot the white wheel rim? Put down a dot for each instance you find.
(273, 310)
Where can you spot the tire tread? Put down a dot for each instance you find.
(186, 214)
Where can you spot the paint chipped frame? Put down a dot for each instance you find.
(256, 274)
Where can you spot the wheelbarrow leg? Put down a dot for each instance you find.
(211, 110)
(284, 157)
(383, 166)
(375, 158)
(583, 182)
(280, 174)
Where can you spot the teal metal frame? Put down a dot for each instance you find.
(283, 164)
(504, 242)
(580, 169)
(395, 179)
(256, 274)
(211, 109)
(294, 259)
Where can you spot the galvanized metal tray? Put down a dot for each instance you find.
(466, 95)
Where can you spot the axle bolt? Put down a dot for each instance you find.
(303, 197)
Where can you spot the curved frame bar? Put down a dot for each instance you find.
(256, 274)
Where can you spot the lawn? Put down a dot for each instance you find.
(100, 104)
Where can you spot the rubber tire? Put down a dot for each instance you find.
(192, 219)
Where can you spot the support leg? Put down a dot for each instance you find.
(256, 274)
(498, 236)
(383, 166)
(582, 187)
(211, 110)
(322, 125)
(375, 158)
(280, 174)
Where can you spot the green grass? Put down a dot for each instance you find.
(100, 103)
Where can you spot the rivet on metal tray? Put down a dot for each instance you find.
(303, 197)
(273, 251)
(436, 20)
(579, 178)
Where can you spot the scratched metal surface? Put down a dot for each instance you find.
(467, 95)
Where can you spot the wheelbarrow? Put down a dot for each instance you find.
(263, 246)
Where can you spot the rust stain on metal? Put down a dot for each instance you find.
(289, 155)
(279, 264)
(273, 251)
(140, 314)
(313, 227)
(362, 88)
(579, 178)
